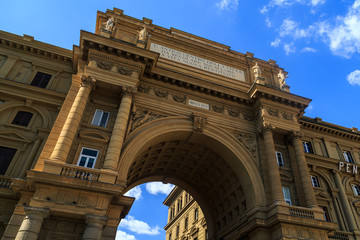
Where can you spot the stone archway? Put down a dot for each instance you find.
(213, 166)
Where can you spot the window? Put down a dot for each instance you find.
(280, 159)
(41, 80)
(186, 223)
(326, 214)
(356, 189)
(348, 157)
(6, 155)
(196, 214)
(170, 236)
(100, 118)
(287, 196)
(315, 181)
(172, 212)
(177, 230)
(307, 147)
(22, 118)
(179, 205)
(88, 157)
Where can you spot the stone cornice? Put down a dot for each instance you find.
(331, 129)
(28, 45)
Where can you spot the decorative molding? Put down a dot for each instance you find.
(129, 91)
(273, 112)
(143, 88)
(104, 65)
(161, 93)
(234, 112)
(249, 141)
(87, 81)
(141, 116)
(179, 98)
(288, 116)
(218, 108)
(125, 71)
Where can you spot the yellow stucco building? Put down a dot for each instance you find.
(135, 103)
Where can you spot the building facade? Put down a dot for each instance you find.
(135, 103)
(185, 218)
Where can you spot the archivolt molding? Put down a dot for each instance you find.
(43, 112)
(182, 127)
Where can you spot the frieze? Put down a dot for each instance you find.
(218, 108)
(140, 117)
(273, 112)
(143, 88)
(234, 112)
(249, 141)
(161, 93)
(179, 98)
(104, 65)
(287, 116)
(124, 70)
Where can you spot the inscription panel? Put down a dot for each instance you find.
(198, 62)
(198, 104)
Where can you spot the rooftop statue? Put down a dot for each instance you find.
(110, 24)
(257, 71)
(281, 78)
(143, 34)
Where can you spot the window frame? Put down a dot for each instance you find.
(308, 148)
(279, 156)
(101, 118)
(286, 191)
(22, 111)
(87, 160)
(42, 72)
(356, 189)
(348, 156)
(196, 214)
(314, 181)
(11, 160)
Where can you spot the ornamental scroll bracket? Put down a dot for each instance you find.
(249, 141)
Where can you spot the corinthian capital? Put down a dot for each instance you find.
(128, 91)
(87, 81)
(297, 135)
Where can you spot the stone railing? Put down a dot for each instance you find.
(340, 236)
(80, 173)
(301, 212)
(5, 182)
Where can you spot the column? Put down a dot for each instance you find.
(94, 227)
(31, 225)
(272, 166)
(73, 120)
(338, 211)
(118, 133)
(344, 201)
(310, 198)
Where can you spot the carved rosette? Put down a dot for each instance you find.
(140, 117)
(218, 108)
(273, 112)
(125, 70)
(234, 112)
(143, 88)
(104, 65)
(249, 141)
(87, 81)
(199, 123)
(179, 98)
(287, 116)
(161, 93)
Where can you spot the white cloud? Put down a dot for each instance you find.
(227, 4)
(158, 187)
(287, 27)
(276, 42)
(289, 48)
(268, 22)
(139, 227)
(317, 2)
(134, 192)
(308, 49)
(343, 36)
(310, 107)
(120, 235)
(354, 78)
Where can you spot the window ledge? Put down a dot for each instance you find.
(28, 129)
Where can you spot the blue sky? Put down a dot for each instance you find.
(316, 41)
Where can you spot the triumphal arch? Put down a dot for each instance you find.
(144, 103)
